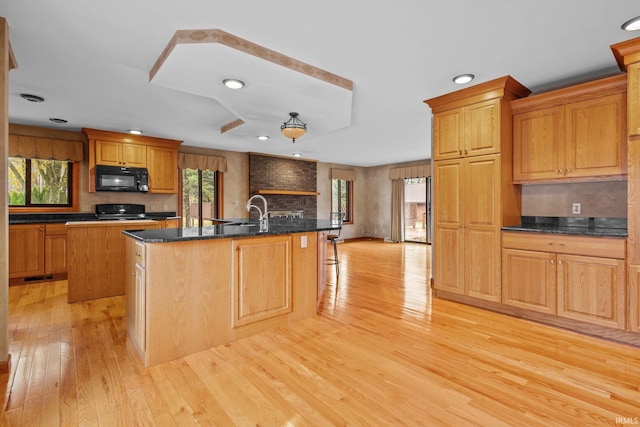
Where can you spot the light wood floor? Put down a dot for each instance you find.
(380, 353)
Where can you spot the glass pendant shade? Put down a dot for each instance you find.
(294, 128)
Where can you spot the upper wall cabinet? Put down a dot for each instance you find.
(572, 134)
(158, 155)
(473, 130)
(120, 154)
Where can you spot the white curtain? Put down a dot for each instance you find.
(397, 210)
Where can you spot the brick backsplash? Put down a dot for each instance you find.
(277, 173)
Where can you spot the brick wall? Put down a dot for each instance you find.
(277, 173)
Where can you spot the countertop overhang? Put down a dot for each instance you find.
(232, 228)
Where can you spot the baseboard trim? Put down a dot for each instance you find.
(5, 367)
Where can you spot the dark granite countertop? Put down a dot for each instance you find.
(240, 227)
(51, 218)
(595, 227)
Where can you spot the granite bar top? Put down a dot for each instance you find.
(597, 227)
(51, 218)
(233, 228)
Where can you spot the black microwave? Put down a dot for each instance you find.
(116, 178)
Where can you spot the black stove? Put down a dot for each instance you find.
(122, 211)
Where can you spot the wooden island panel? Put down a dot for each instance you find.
(203, 293)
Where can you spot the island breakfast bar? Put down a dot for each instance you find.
(194, 288)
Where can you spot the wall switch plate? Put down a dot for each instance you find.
(303, 241)
(165, 207)
(576, 208)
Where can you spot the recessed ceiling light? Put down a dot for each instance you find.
(632, 24)
(31, 98)
(57, 120)
(263, 137)
(297, 154)
(463, 78)
(135, 132)
(233, 83)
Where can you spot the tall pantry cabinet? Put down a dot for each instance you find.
(627, 55)
(473, 194)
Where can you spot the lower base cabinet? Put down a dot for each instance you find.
(579, 278)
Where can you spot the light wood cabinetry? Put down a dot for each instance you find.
(136, 293)
(627, 54)
(579, 278)
(26, 250)
(471, 130)
(262, 283)
(97, 256)
(575, 133)
(55, 249)
(472, 194)
(467, 226)
(158, 155)
(112, 153)
(529, 280)
(202, 293)
(163, 170)
(633, 323)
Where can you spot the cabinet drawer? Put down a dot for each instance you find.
(50, 229)
(605, 247)
(140, 254)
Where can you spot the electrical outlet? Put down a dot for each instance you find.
(303, 241)
(576, 208)
(152, 208)
(165, 207)
(86, 208)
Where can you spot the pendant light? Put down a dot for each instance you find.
(293, 128)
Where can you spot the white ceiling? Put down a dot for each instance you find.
(91, 60)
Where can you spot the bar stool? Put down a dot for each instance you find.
(336, 218)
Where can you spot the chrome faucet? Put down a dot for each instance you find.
(264, 216)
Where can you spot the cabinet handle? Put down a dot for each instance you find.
(465, 152)
(559, 262)
(460, 152)
(568, 170)
(552, 262)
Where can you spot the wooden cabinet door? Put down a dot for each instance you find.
(134, 156)
(596, 136)
(448, 134)
(55, 249)
(55, 254)
(482, 128)
(262, 278)
(118, 154)
(633, 302)
(538, 145)
(26, 250)
(482, 227)
(592, 290)
(448, 262)
(163, 170)
(140, 315)
(529, 280)
(108, 153)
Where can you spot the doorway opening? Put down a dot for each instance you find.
(417, 208)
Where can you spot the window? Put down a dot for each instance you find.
(342, 198)
(40, 183)
(200, 196)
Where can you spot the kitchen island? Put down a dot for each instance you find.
(191, 289)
